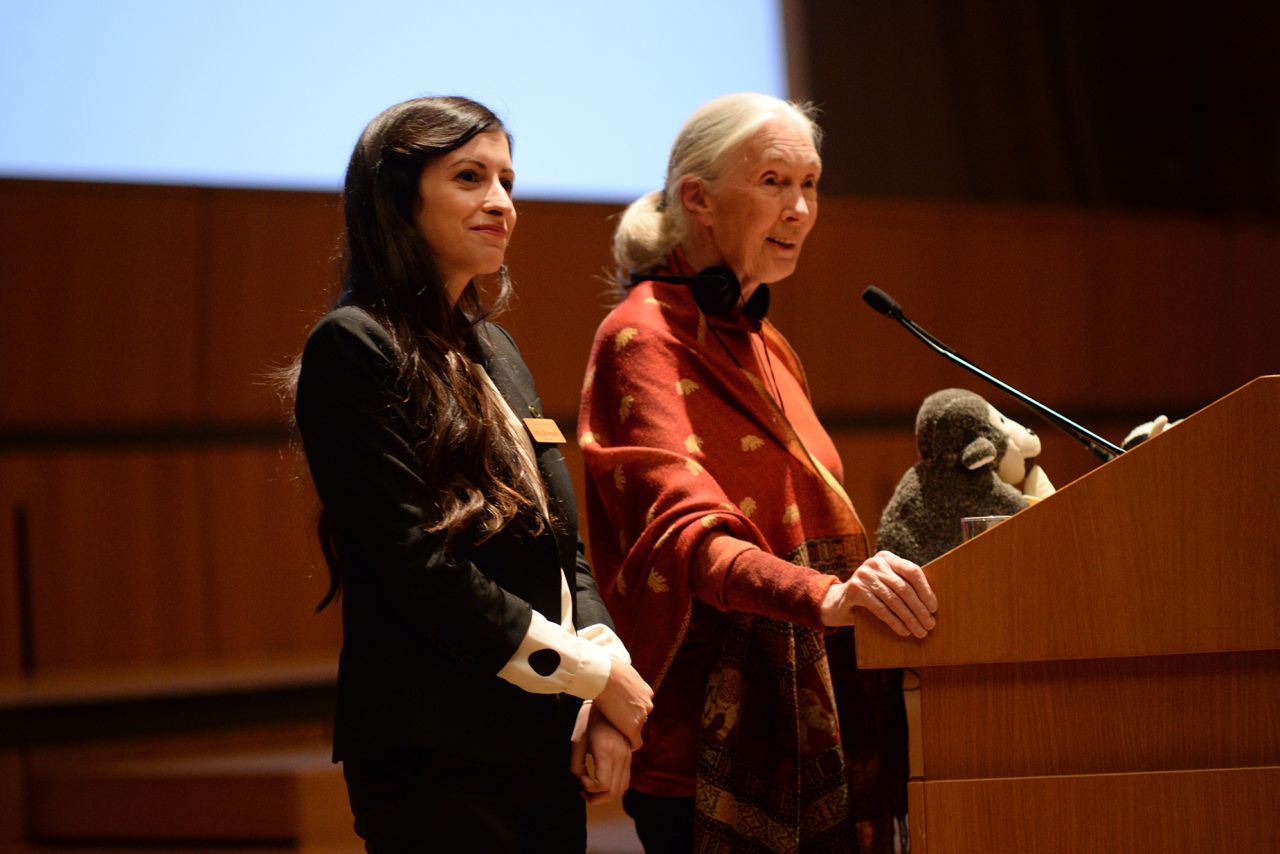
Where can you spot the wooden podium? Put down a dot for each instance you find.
(1105, 672)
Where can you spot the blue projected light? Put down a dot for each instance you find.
(266, 93)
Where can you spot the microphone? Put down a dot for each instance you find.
(888, 306)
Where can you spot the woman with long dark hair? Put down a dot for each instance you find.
(472, 627)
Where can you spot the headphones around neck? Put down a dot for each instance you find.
(716, 290)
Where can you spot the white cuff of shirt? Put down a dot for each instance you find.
(551, 660)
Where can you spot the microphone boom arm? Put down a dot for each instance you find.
(1100, 447)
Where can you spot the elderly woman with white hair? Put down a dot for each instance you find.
(725, 545)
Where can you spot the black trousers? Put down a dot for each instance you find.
(664, 825)
(430, 801)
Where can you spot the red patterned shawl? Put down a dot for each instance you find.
(679, 441)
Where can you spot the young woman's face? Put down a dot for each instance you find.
(464, 210)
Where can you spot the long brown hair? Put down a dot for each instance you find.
(388, 271)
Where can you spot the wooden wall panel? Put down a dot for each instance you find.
(989, 282)
(1179, 297)
(1250, 296)
(1082, 310)
(16, 478)
(150, 557)
(97, 317)
(559, 261)
(169, 304)
(1165, 278)
(115, 559)
(14, 796)
(291, 799)
(854, 360)
(271, 273)
(263, 561)
(271, 270)
(1087, 310)
(1026, 287)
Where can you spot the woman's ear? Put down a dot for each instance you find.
(693, 196)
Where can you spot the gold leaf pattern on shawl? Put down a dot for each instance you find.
(791, 515)
(657, 583)
(693, 444)
(710, 520)
(752, 443)
(624, 337)
(650, 513)
(748, 506)
(686, 387)
(622, 541)
(654, 301)
(624, 407)
(728, 505)
(619, 479)
(589, 378)
(586, 439)
(693, 466)
(662, 539)
(620, 584)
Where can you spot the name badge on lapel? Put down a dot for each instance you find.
(543, 430)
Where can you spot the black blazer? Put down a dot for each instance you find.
(425, 630)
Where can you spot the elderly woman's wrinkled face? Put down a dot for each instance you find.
(761, 209)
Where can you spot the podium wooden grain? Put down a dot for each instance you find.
(1105, 674)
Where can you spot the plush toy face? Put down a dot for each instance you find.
(1023, 445)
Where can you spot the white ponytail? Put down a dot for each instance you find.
(644, 234)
